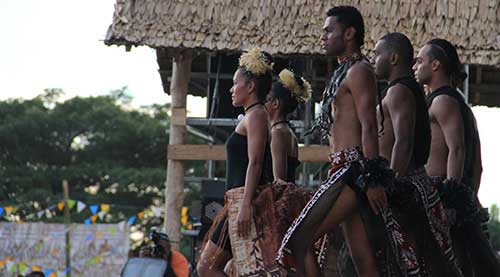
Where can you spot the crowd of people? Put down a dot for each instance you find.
(401, 194)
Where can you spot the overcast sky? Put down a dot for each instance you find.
(58, 44)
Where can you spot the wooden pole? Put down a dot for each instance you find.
(67, 222)
(174, 191)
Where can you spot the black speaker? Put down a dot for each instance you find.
(212, 197)
(212, 201)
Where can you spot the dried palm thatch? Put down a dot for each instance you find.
(292, 27)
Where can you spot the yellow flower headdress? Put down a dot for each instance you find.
(303, 93)
(255, 61)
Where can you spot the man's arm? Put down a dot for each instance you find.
(362, 85)
(363, 88)
(401, 106)
(446, 111)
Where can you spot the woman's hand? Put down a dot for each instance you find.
(244, 220)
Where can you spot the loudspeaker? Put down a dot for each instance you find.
(212, 198)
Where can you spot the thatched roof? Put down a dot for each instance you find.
(294, 26)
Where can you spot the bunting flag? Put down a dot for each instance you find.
(8, 210)
(93, 218)
(60, 205)
(131, 220)
(140, 215)
(101, 215)
(47, 272)
(80, 206)
(1, 210)
(94, 209)
(98, 234)
(105, 208)
(40, 214)
(87, 221)
(71, 203)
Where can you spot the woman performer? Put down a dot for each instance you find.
(248, 164)
(283, 100)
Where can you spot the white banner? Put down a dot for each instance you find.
(96, 250)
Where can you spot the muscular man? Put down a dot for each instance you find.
(405, 141)
(455, 156)
(349, 119)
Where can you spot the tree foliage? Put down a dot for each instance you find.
(108, 152)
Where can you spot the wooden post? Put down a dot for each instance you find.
(67, 222)
(174, 191)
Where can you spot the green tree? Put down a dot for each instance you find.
(494, 227)
(108, 152)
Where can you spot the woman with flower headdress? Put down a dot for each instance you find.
(283, 99)
(233, 233)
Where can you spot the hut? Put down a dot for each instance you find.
(197, 42)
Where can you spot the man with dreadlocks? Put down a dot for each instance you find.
(455, 156)
(354, 193)
(405, 141)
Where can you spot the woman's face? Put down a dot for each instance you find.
(271, 105)
(239, 90)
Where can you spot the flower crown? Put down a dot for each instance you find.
(255, 61)
(302, 92)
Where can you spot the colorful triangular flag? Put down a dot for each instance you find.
(101, 215)
(9, 210)
(40, 214)
(87, 221)
(140, 215)
(71, 203)
(105, 208)
(94, 209)
(93, 218)
(131, 220)
(1, 210)
(80, 206)
(60, 205)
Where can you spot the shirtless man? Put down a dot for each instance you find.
(405, 141)
(455, 156)
(349, 119)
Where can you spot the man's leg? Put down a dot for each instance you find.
(345, 211)
(212, 261)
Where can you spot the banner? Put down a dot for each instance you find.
(97, 250)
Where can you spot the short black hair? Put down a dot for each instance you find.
(263, 81)
(455, 68)
(399, 43)
(437, 53)
(349, 16)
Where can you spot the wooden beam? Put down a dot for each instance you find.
(196, 152)
(202, 152)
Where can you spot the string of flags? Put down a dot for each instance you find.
(98, 211)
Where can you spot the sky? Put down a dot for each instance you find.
(59, 44)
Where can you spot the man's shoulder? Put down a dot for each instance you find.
(361, 68)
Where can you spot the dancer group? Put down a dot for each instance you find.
(401, 194)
